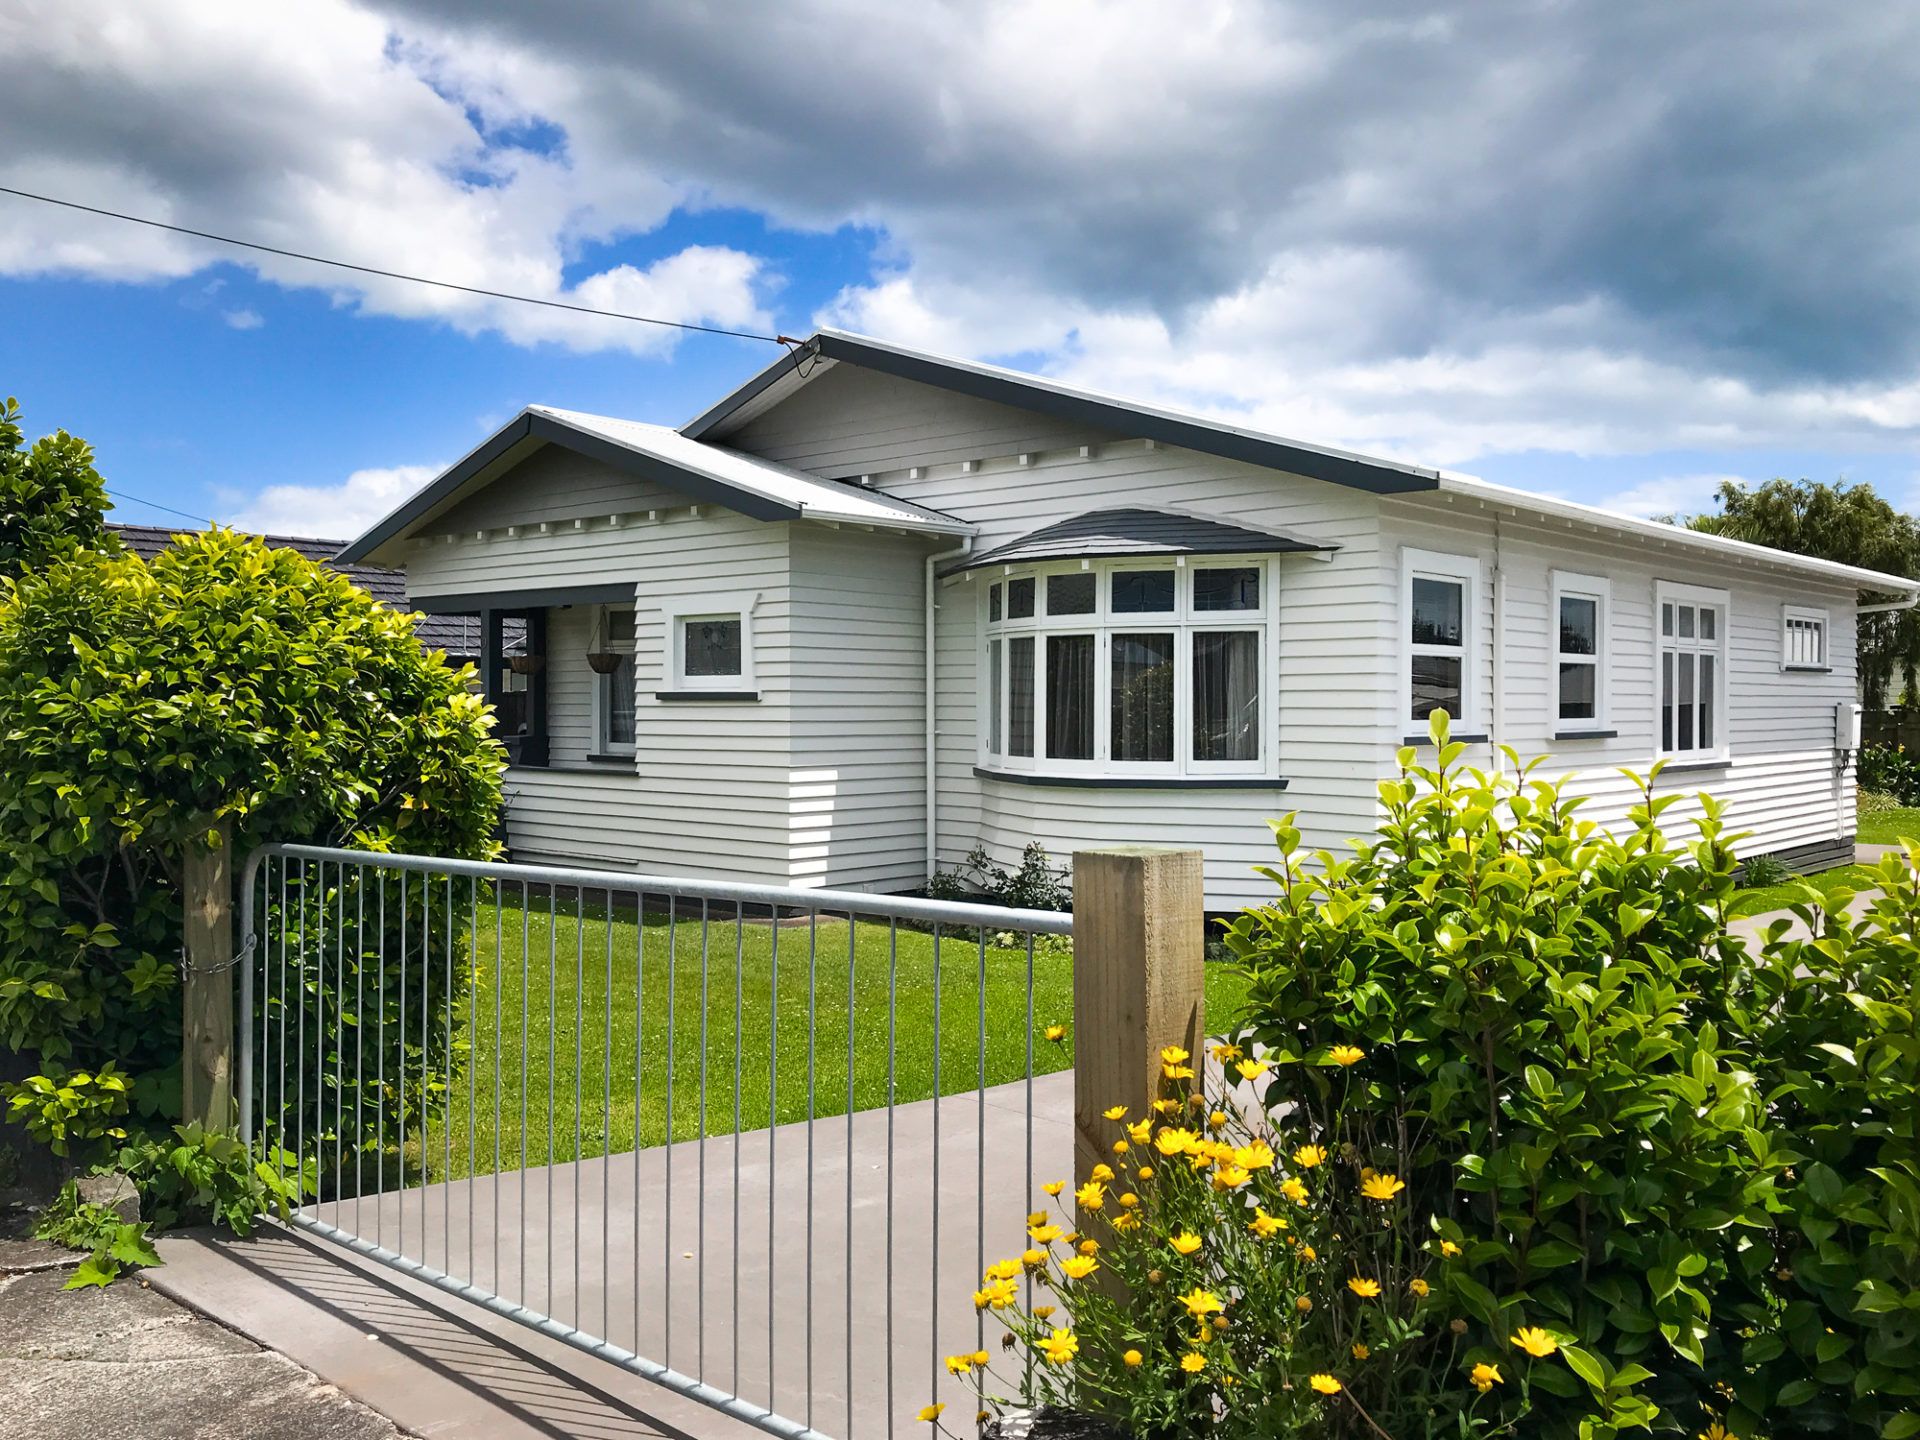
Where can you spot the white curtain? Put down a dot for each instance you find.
(1226, 695)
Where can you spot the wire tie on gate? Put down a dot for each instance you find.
(240, 957)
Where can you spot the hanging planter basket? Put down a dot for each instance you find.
(526, 664)
(604, 662)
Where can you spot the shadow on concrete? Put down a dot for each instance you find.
(545, 1396)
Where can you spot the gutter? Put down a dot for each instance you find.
(1889, 606)
(932, 562)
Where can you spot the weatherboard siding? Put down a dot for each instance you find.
(709, 791)
(1782, 782)
(850, 421)
(858, 799)
(820, 781)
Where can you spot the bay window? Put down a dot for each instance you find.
(1692, 672)
(1130, 669)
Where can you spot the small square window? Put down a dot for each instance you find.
(1071, 594)
(1020, 599)
(710, 647)
(1142, 592)
(1804, 639)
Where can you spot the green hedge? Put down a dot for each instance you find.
(1692, 1159)
(142, 702)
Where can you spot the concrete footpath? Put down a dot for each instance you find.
(847, 1341)
(128, 1361)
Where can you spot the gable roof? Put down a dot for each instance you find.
(1064, 402)
(704, 473)
(788, 375)
(1139, 530)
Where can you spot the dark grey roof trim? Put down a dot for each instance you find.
(700, 489)
(475, 601)
(1137, 530)
(1189, 432)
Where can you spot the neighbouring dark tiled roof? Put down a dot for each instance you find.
(458, 635)
(1138, 530)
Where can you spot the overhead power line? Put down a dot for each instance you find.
(155, 505)
(396, 274)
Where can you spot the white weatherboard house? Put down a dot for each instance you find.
(877, 607)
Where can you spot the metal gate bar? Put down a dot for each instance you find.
(429, 913)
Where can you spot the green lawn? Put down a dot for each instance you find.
(1883, 822)
(1762, 898)
(565, 1011)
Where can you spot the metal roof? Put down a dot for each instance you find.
(1138, 530)
(458, 635)
(1066, 402)
(703, 473)
(1659, 531)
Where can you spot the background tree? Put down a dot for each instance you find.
(52, 500)
(1845, 523)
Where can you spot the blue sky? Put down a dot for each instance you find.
(1613, 254)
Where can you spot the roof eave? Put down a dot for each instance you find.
(1726, 546)
(534, 424)
(985, 382)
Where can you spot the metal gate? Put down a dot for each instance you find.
(732, 1138)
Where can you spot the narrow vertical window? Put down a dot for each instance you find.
(1070, 697)
(616, 685)
(1020, 695)
(1142, 698)
(995, 696)
(1226, 695)
(1580, 651)
(1692, 671)
(1438, 637)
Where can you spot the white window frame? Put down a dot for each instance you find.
(1805, 614)
(1464, 570)
(1597, 588)
(602, 716)
(1673, 592)
(1183, 622)
(709, 607)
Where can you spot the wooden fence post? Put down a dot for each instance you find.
(206, 984)
(1139, 919)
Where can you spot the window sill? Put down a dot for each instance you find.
(1683, 767)
(1129, 782)
(620, 759)
(703, 697)
(1585, 734)
(1478, 737)
(1806, 669)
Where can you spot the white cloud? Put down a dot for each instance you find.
(309, 127)
(331, 511)
(243, 319)
(1680, 495)
(1435, 232)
